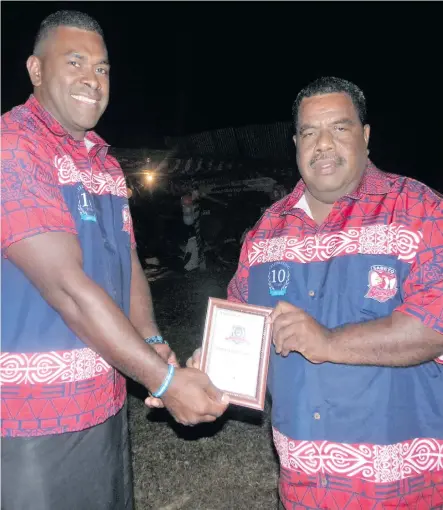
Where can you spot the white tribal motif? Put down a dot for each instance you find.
(393, 239)
(100, 183)
(51, 367)
(375, 463)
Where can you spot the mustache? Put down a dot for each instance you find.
(338, 160)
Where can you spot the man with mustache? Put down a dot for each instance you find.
(352, 263)
(76, 307)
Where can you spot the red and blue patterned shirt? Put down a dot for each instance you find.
(51, 382)
(354, 437)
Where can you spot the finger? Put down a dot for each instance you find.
(275, 313)
(287, 334)
(194, 361)
(172, 360)
(153, 402)
(285, 352)
(215, 394)
(284, 320)
(282, 307)
(218, 403)
(207, 418)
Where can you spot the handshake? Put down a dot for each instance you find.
(191, 398)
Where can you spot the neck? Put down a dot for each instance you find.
(319, 210)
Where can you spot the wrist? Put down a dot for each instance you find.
(333, 352)
(156, 339)
(166, 382)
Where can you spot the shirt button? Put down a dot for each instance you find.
(324, 482)
(316, 416)
(311, 293)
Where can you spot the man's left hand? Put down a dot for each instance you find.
(168, 355)
(295, 330)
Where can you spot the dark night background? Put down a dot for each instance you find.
(185, 67)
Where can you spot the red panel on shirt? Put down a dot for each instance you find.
(32, 202)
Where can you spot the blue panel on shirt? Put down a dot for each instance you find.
(354, 404)
(106, 260)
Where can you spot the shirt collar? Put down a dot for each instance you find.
(33, 105)
(303, 205)
(374, 182)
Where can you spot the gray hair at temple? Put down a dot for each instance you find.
(331, 85)
(75, 19)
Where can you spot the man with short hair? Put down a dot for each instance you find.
(352, 263)
(76, 307)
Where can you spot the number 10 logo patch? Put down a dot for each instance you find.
(278, 278)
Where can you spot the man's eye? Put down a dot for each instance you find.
(340, 128)
(74, 63)
(306, 134)
(102, 70)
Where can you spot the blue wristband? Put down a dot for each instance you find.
(165, 383)
(156, 339)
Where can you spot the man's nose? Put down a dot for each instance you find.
(90, 79)
(325, 141)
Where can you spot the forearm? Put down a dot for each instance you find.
(398, 340)
(53, 262)
(141, 313)
(94, 317)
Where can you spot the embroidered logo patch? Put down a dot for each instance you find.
(85, 205)
(278, 278)
(382, 283)
(126, 219)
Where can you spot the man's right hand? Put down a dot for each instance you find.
(191, 397)
(53, 262)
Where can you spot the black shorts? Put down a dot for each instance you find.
(87, 470)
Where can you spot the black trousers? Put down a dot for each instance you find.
(87, 470)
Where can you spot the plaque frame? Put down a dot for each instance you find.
(256, 400)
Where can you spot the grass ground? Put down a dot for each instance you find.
(230, 465)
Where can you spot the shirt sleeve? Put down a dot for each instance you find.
(238, 286)
(423, 288)
(31, 202)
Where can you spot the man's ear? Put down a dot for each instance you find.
(366, 133)
(295, 140)
(34, 67)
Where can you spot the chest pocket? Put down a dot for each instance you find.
(351, 289)
(382, 290)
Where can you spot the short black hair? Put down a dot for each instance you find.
(75, 19)
(331, 85)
